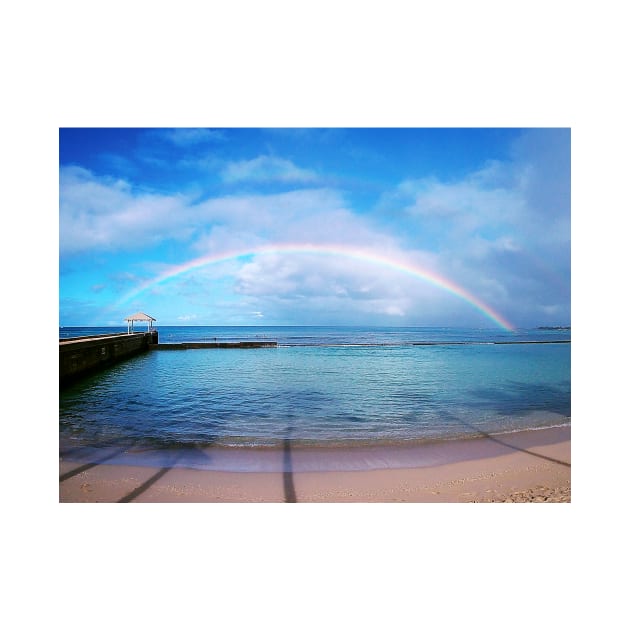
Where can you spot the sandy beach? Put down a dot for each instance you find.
(528, 467)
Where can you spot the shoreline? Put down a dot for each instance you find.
(528, 466)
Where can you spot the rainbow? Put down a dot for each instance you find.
(361, 255)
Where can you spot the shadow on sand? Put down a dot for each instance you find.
(502, 442)
(134, 494)
(98, 454)
(95, 455)
(287, 468)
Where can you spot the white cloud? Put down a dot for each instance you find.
(226, 238)
(183, 137)
(103, 213)
(266, 168)
(310, 215)
(268, 212)
(481, 199)
(394, 309)
(330, 283)
(504, 230)
(186, 318)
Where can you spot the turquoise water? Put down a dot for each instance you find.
(323, 386)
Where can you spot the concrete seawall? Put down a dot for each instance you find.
(191, 345)
(82, 355)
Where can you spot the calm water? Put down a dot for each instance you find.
(327, 335)
(322, 386)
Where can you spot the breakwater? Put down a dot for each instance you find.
(79, 356)
(192, 345)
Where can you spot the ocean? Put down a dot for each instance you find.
(321, 387)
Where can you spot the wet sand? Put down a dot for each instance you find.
(533, 466)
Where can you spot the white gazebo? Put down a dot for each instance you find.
(139, 317)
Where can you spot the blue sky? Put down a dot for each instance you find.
(486, 209)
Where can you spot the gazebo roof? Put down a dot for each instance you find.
(140, 317)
